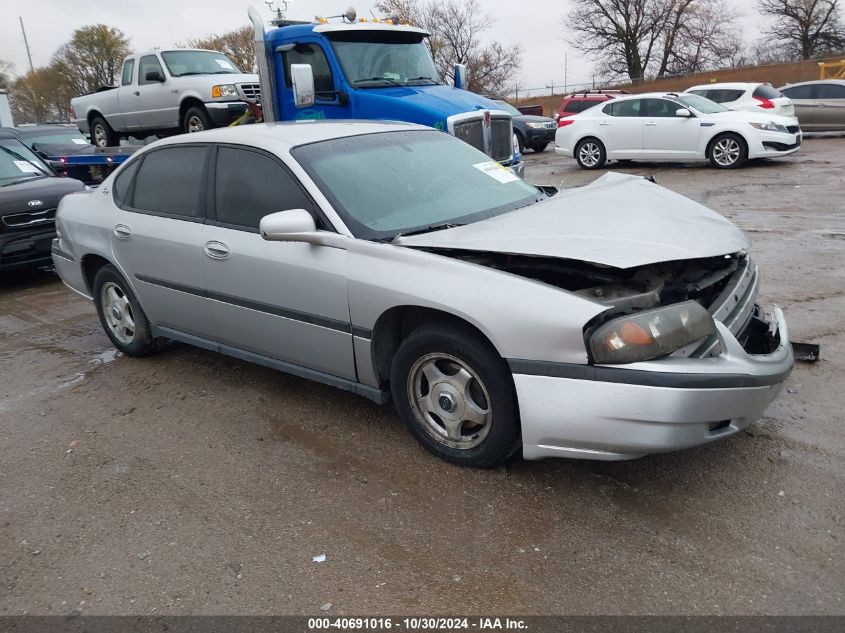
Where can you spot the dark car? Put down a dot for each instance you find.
(29, 194)
(580, 101)
(68, 152)
(533, 132)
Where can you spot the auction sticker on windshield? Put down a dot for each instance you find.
(496, 171)
(27, 168)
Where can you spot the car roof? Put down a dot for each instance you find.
(838, 82)
(736, 85)
(290, 133)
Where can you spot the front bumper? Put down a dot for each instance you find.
(24, 250)
(222, 113)
(539, 136)
(774, 144)
(613, 413)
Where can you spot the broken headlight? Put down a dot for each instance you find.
(650, 334)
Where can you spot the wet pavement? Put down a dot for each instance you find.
(189, 482)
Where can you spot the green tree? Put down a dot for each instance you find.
(92, 58)
(237, 45)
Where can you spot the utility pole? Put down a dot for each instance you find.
(565, 69)
(26, 44)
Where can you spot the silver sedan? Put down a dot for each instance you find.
(605, 322)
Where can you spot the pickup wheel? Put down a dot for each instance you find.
(196, 120)
(456, 396)
(101, 133)
(121, 315)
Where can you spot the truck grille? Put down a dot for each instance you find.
(502, 139)
(471, 132)
(29, 218)
(251, 91)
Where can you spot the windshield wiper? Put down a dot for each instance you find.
(25, 159)
(372, 79)
(427, 229)
(431, 80)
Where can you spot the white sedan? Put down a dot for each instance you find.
(674, 127)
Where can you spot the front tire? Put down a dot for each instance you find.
(540, 148)
(196, 120)
(590, 154)
(121, 315)
(456, 396)
(101, 133)
(728, 151)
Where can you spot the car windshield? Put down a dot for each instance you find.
(181, 63)
(18, 163)
(392, 183)
(60, 137)
(507, 107)
(375, 58)
(703, 105)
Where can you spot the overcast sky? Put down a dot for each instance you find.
(149, 23)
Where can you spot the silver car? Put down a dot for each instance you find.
(397, 262)
(819, 105)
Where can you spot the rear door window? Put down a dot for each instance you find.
(249, 185)
(830, 91)
(766, 92)
(627, 108)
(170, 182)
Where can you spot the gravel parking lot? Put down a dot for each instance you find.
(190, 482)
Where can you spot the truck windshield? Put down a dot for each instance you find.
(393, 183)
(181, 63)
(378, 58)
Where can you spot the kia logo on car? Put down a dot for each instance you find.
(35, 203)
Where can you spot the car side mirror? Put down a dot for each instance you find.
(58, 166)
(297, 225)
(683, 112)
(154, 75)
(302, 80)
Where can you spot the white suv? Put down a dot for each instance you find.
(748, 97)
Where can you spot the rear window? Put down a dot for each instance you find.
(766, 92)
(628, 108)
(579, 106)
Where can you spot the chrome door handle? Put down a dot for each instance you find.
(122, 232)
(216, 250)
(651, 124)
(604, 123)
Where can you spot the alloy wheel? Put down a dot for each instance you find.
(195, 124)
(450, 401)
(726, 151)
(589, 154)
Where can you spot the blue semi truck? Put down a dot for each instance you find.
(372, 69)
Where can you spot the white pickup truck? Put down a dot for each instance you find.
(166, 92)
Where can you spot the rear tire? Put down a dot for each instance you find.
(196, 120)
(728, 151)
(101, 133)
(590, 153)
(456, 395)
(121, 316)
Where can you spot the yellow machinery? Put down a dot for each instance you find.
(832, 70)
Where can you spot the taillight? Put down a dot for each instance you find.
(565, 122)
(766, 104)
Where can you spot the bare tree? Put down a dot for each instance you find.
(92, 58)
(237, 45)
(702, 36)
(808, 28)
(456, 28)
(40, 96)
(624, 34)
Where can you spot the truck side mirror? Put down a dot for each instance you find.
(302, 79)
(460, 76)
(154, 75)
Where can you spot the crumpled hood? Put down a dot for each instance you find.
(619, 220)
